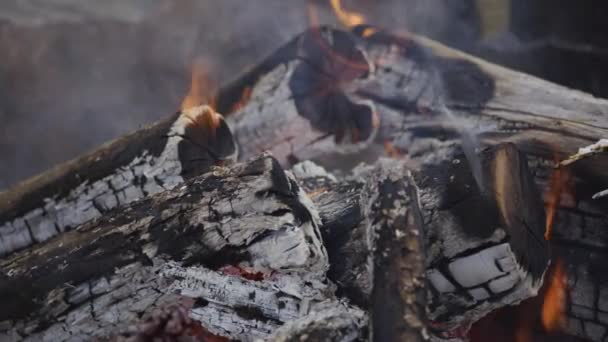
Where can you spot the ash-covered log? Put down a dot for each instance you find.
(372, 229)
(339, 98)
(148, 161)
(329, 92)
(484, 238)
(398, 304)
(243, 243)
(428, 99)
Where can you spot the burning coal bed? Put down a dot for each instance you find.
(359, 185)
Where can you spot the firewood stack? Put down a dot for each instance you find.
(387, 188)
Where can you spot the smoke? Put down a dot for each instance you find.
(76, 73)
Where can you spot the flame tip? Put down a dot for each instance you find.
(347, 18)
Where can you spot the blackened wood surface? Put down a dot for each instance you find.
(398, 308)
(428, 99)
(336, 97)
(148, 161)
(243, 243)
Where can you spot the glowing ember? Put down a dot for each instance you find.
(559, 186)
(316, 192)
(554, 304)
(391, 150)
(202, 88)
(368, 32)
(347, 18)
(524, 333)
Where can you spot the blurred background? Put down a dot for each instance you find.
(77, 73)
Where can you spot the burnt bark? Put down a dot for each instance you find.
(336, 98)
(398, 305)
(242, 243)
(146, 162)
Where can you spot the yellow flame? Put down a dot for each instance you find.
(202, 88)
(347, 18)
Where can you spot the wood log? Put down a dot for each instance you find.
(485, 245)
(337, 97)
(480, 246)
(149, 161)
(372, 228)
(212, 240)
(399, 301)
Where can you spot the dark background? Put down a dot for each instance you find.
(76, 73)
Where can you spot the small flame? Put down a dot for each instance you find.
(204, 117)
(554, 304)
(559, 186)
(368, 31)
(347, 18)
(202, 88)
(245, 97)
(313, 16)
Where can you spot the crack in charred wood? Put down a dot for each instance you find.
(68, 208)
(406, 81)
(140, 239)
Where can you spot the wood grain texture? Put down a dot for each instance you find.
(148, 161)
(337, 97)
(252, 218)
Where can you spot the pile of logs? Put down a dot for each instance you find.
(373, 186)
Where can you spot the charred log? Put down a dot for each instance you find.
(217, 234)
(151, 160)
(336, 98)
(429, 99)
(398, 308)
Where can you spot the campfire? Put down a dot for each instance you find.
(358, 184)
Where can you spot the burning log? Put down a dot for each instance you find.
(336, 98)
(215, 235)
(484, 239)
(373, 232)
(328, 87)
(151, 160)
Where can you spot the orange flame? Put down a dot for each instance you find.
(245, 97)
(368, 31)
(202, 88)
(203, 117)
(554, 305)
(347, 18)
(559, 186)
(313, 16)
(391, 150)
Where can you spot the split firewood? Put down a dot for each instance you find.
(398, 301)
(372, 229)
(242, 243)
(151, 160)
(480, 249)
(485, 245)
